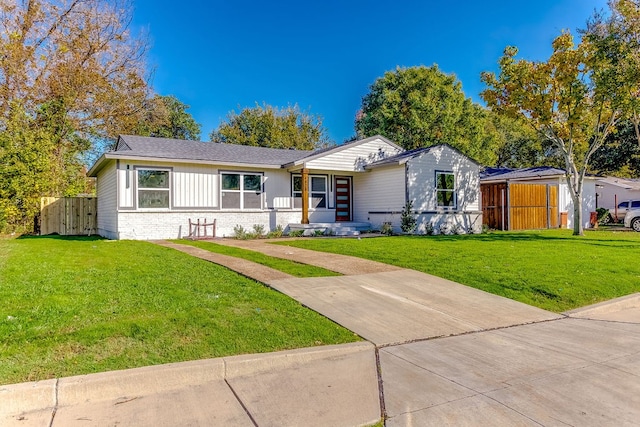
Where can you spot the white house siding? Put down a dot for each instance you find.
(106, 192)
(421, 182)
(379, 195)
(610, 194)
(195, 194)
(354, 158)
(565, 202)
(421, 179)
(195, 188)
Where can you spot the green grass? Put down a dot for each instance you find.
(291, 267)
(549, 269)
(71, 306)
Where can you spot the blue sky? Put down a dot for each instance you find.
(218, 56)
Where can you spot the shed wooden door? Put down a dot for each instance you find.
(343, 198)
(494, 202)
(532, 206)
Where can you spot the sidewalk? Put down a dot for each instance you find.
(330, 385)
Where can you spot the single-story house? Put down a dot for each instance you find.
(611, 191)
(150, 188)
(532, 198)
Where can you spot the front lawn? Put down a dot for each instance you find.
(550, 269)
(71, 306)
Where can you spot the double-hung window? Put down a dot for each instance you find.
(446, 190)
(153, 189)
(241, 190)
(317, 191)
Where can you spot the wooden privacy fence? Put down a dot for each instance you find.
(68, 216)
(519, 206)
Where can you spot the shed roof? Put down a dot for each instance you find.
(503, 174)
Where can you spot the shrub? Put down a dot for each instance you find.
(386, 228)
(275, 233)
(429, 230)
(258, 230)
(318, 233)
(239, 232)
(296, 233)
(445, 228)
(407, 219)
(604, 217)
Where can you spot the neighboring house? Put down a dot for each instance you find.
(612, 191)
(532, 198)
(149, 188)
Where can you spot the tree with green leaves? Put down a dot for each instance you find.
(267, 126)
(422, 106)
(167, 117)
(566, 99)
(614, 40)
(71, 76)
(620, 155)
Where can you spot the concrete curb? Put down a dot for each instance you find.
(72, 398)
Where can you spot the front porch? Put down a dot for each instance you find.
(346, 228)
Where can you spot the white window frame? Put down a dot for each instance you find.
(139, 188)
(453, 191)
(241, 191)
(298, 194)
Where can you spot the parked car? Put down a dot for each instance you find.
(623, 208)
(632, 219)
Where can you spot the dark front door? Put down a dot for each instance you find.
(343, 198)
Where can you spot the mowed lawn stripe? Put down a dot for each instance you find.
(72, 306)
(293, 268)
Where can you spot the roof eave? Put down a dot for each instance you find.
(107, 156)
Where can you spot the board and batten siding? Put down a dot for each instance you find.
(380, 190)
(195, 188)
(107, 218)
(421, 179)
(192, 186)
(354, 158)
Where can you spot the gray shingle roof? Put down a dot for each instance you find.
(167, 148)
(525, 173)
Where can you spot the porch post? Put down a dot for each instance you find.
(305, 196)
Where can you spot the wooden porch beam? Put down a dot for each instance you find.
(305, 196)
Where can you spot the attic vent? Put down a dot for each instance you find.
(121, 145)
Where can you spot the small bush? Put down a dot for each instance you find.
(445, 228)
(318, 233)
(296, 233)
(386, 228)
(604, 217)
(275, 233)
(408, 219)
(258, 230)
(429, 230)
(239, 232)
